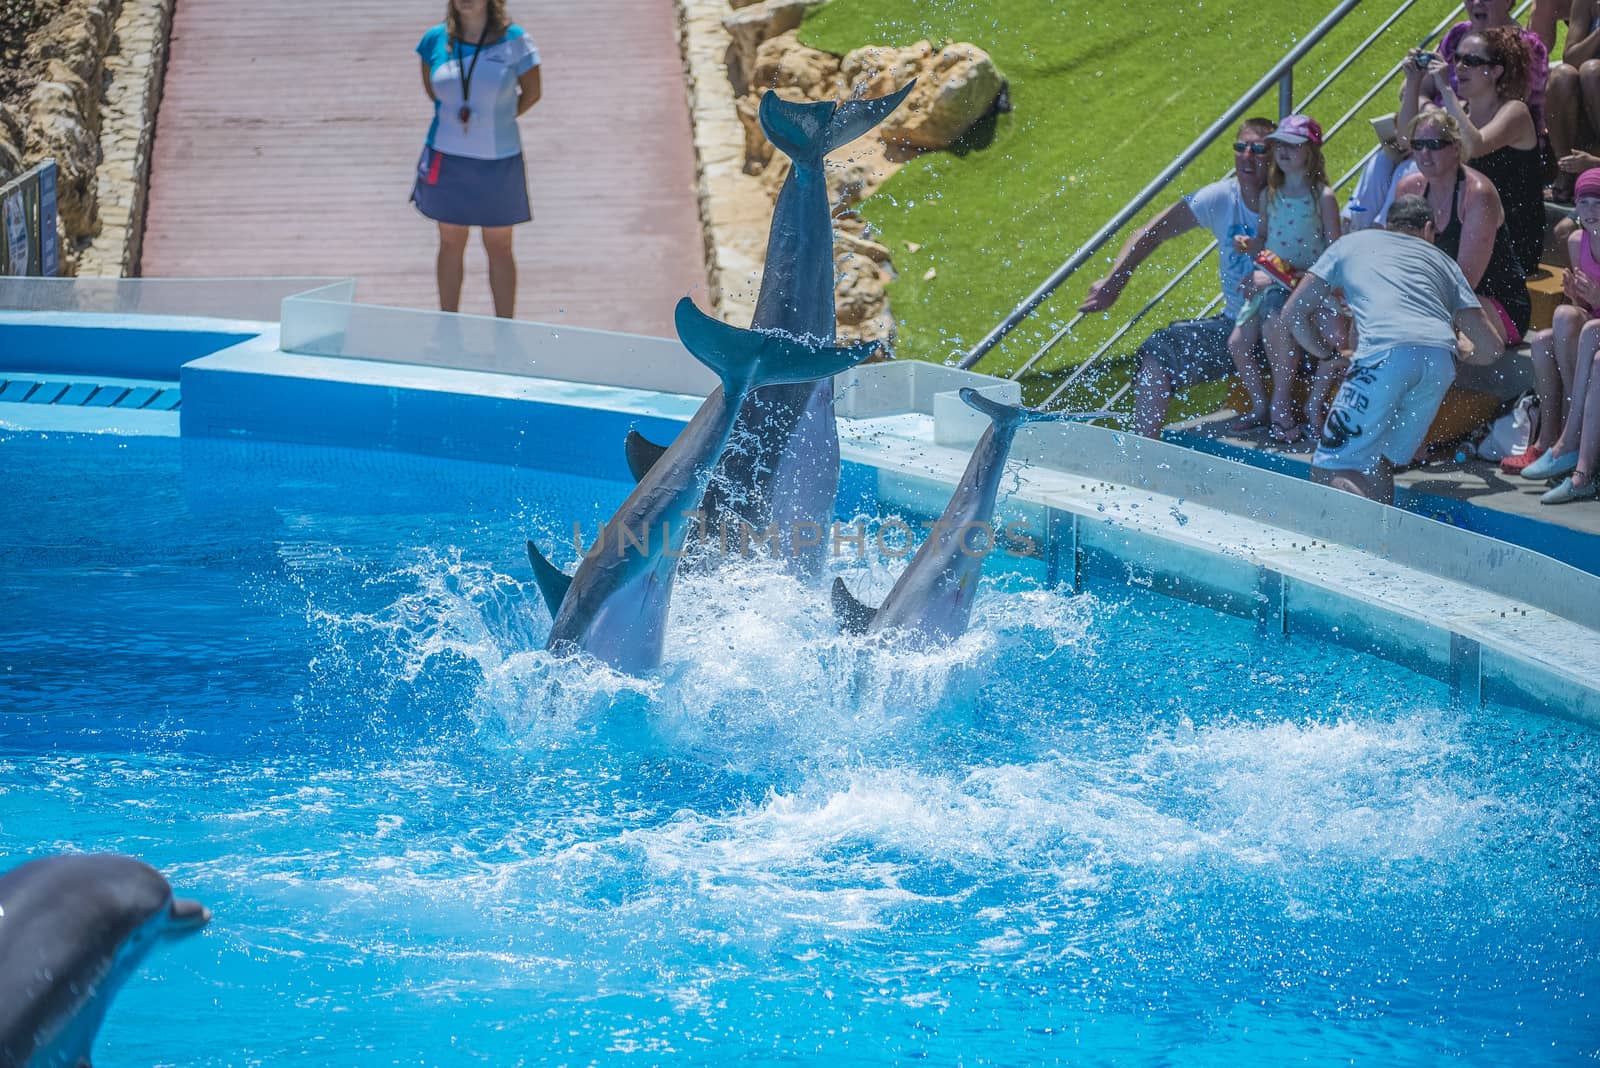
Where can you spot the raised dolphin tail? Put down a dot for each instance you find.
(809, 131)
(1014, 415)
(748, 359)
(553, 582)
(853, 616)
(642, 454)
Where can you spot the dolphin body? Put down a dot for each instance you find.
(933, 597)
(781, 468)
(72, 929)
(615, 607)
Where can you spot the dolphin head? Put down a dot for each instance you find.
(72, 929)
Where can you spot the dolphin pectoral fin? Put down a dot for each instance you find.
(853, 616)
(746, 359)
(1012, 415)
(642, 454)
(852, 118)
(553, 582)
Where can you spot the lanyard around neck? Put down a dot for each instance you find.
(467, 71)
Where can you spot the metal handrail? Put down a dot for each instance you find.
(1229, 118)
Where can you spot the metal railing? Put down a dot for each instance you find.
(1282, 75)
(28, 223)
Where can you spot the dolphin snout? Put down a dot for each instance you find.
(186, 914)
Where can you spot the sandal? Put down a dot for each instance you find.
(1243, 424)
(1287, 435)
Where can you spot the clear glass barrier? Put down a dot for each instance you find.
(256, 299)
(321, 324)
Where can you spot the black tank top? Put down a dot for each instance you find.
(1518, 176)
(1503, 278)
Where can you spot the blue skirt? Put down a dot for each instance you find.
(471, 192)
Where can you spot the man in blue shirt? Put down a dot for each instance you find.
(1192, 351)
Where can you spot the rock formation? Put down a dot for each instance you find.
(957, 85)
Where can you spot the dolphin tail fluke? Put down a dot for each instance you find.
(553, 582)
(809, 131)
(642, 454)
(747, 359)
(853, 616)
(852, 118)
(1011, 416)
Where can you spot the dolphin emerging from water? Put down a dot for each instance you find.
(615, 607)
(72, 929)
(934, 595)
(781, 468)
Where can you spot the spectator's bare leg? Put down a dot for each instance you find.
(1283, 358)
(1242, 345)
(1328, 373)
(1589, 446)
(1562, 102)
(1587, 117)
(1582, 379)
(1555, 359)
(1152, 395)
(448, 267)
(502, 269)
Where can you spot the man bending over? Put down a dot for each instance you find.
(1408, 300)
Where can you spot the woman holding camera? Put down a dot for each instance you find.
(1484, 15)
(1497, 131)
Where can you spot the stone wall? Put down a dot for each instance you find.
(134, 71)
(92, 76)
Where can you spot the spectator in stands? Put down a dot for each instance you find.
(1487, 15)
(1572, 103)
(1469, 223)
(1375, 189)
(1299, 220)
(1581, 484)
(1192, 351)
(1563, 356)
(481, 72)
(1497, 131)
(1407, 298)
(1543, 19)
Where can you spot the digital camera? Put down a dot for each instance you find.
(1423, 60)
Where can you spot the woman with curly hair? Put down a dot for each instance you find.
(1498, 134)
(481, 72)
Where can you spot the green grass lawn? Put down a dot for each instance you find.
(1103, 96)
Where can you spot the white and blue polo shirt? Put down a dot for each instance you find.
(491, 132)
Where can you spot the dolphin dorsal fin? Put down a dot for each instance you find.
(642, 454)
(853, 616)
(553, 582)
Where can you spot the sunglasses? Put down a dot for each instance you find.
(1473, 61)
(1432, 144)
(1255, 148)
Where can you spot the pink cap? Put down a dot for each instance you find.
(1588, 184)
(1297, 130)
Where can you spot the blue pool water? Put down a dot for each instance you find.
(1103, 828)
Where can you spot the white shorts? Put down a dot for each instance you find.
(1384, 408)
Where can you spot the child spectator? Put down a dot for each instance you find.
(1563, 355)
(1299, 220)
